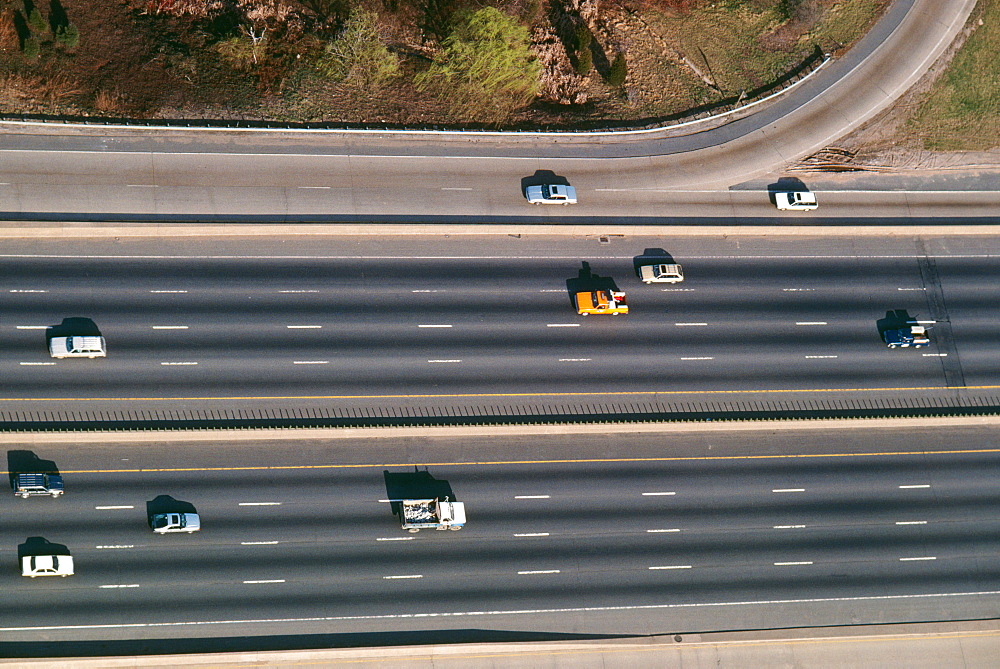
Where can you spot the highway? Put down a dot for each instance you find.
(402, 320)
(589, 534)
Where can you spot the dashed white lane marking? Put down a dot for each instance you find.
(675, 529)
(395, 538)
(454, 188)
(819, 357)
(259, 543)
(115, 546)
(142, 185)
(917, 485)
(575, 359)
(562, 325)
(260, 503)
(169, 327)
(32, 327)
(789, 564)
(657, 494)
(704, 357)
(935, 355)
(310, 362)
(677, 290)
(672, 566)
(531, 496)
(789, 527)
(552, 290)
(298, 291)
(315, 187)
(15, 290)
(176, 364)
(911, 522)
(392, 578)
(688, 325)
(913, 559)
(169, 291)
(269, 580)
(911, 289)
(811, 323)
(118, 506)
(798, 290)
(130, 585)
(445, 361)
(533, 534)
(426, 291)
(538, 571)
(35, 364)
(788, 490)
(304, 327)
(434, 326)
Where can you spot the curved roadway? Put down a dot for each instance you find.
(94, 174)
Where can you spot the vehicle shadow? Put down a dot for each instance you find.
(414, 485)
(586, 281)
(785, 185)
(651, 256)
(166, 504)
(26, 462)
(76, 326)
(541, 178)
(895, 319)
(39, 546)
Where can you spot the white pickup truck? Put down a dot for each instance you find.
(164, 523)
(661, 273)
(77, 347)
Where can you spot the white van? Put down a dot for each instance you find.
(77, 347)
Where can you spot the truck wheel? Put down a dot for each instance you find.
(24, 495)
(413, 530)
(455, 529)
(614, 313)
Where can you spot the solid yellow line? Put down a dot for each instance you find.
(473, 395)
(697, 458)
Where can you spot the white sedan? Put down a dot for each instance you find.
(795, 201)
(46, 565)
(551, 194)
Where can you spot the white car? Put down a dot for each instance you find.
(661, 273)
(175, 522)
(77, 347)
(795, 201)
(46, 565)
(551, 194)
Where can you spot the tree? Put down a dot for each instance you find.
(584, 58)
(485, 68)
(618, 71)
(359, 56)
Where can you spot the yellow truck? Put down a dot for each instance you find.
(600, 302)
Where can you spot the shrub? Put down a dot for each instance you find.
(359, 56)
(584, 57)
(485, 69)
(31, 47)
(37, 22)
(618, 71)
(68, 35)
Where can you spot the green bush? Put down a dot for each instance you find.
(359, 56)
(68, 35)
(31, 47)
(618, 71)
(37, 22)
(241, 52)
(486, 69)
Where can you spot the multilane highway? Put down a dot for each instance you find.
(491, 317)
(604, 534)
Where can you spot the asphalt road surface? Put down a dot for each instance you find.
(485, 319)
(599, 534)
